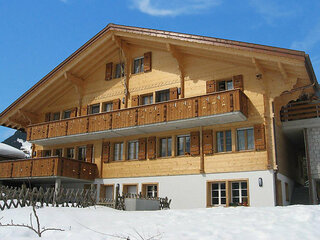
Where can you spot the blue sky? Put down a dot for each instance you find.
(37, 35)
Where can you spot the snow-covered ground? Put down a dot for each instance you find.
(293, 222)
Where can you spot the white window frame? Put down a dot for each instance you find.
(219, 194)
(240, 191)
(136, 150)
(141, 68)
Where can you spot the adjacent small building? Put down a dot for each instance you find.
(204, 121)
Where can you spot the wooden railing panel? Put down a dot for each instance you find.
(70, 168)
(39, 131)
(77, 125)
(5, 169)
(152, 114)
(124, 118)
(99, 122)
(43, 167)
(300, 110)
(182, 109)
(88, 171)
(21, 168)
(57, 129)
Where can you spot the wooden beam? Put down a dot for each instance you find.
(257, 65)
(179, 58)
(78, 84)
(283, 72)
(20, 123)
(30, 116)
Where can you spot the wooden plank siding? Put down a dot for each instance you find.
(209, 104)
(47, 167)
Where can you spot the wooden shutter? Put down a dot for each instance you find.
(73, 112)
(84, 110)
(173, 93)
(105, 155)
(152, 147)
(135, 101)
(147, 62)
(207, 140)
(259, 137)
(89, 151)
(142, 148)
(109, 71)
(211, 86)
(116, 104)
(238, 82)
(47, 117)
(194, 144)
(39, 153)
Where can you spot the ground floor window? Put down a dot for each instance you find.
(106, 192)
(228, 193)
(130, 188)
(150, 190)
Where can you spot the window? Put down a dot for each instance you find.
(106, 192)
(47, 153)
(150, 190)
(119, 72)
(245, 139)
(95, 108)
(107, 107)
(70, 153)
(165, 147)
(162, 96)
(82, 153)
(138, 65)
(225, 85)
(218, 194)
(224, 141)
(239, 193)
(66, 114)
(146, 99)
(118, 151)
(56, 116)
(133, 149)
(183, 145)
(130, 188)
(58, 152)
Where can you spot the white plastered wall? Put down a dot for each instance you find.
(190, 191)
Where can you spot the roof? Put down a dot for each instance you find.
(282, 52)
(11, 152)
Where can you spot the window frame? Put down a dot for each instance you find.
(167, 145)
(126, 185)
(121, 75)
(64, 114)
(147, 95)
(54, 114)
(240, 192)
(104, 104)
(224, 141)
(225, 81)
(144, 189)
(166, 91)
(91, 108)
(73, 152)
(219, 194)
(120, 153)
(47, 151)
(245, 139)
(135, 149)
(55, 152)
(184, 144)
(85, 152)
(141, 65)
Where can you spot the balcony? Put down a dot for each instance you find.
(48, 167)
(216, 108)
(300, 110)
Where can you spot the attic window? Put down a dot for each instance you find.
(138, 65)
(56, 116)
(95, 108)
(225, 85)
(66, 114)
(119, 70)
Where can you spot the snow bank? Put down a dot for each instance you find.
(293, 222)
(25, 147)
(11, 152)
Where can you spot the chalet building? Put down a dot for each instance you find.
(203, 121)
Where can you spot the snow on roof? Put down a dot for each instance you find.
(11, 152)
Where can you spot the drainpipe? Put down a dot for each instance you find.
(276, 156)
(201, 152)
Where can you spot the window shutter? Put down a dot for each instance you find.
(135, 101)
(194, 142)
(151, 147)
(142, 149)
(116, 104)
(147, 62)
(207, 142)
(238, 82)
(89, 151)
(105, 155)
(47, 117)
(259, 137)
(39, 153)
(173, 93)
(109, 71)
(211, 86)
(84, 110)
(73, 112)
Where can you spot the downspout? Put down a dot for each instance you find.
(276, 156)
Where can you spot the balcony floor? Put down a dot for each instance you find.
(146, 129)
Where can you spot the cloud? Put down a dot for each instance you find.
(271, 10)
(173, 7)
(311, 39)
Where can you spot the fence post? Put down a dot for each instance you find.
(57, 186)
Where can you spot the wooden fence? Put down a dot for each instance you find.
(22, 197)
(206, 105)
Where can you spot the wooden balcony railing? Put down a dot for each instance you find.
(47, 167)
(206, 105)
(300, 110)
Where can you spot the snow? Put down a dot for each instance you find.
(292, 222)
(25, 147)
(9, 151)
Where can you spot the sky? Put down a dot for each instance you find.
(37, 35)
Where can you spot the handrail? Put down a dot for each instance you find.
(300, 110)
